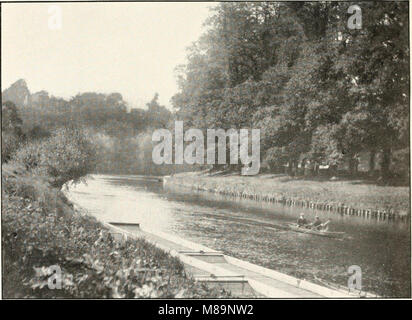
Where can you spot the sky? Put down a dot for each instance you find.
(130, 48)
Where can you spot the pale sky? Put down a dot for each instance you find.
(130, 48)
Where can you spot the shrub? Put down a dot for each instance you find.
(9, 144)
(29, 155)
(67, 155)
(11, 132)
(37, 133)
(400, 164)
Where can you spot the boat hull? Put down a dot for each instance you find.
(327, 234)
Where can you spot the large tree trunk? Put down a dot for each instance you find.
(303, 166)
(372, 162)
(353, 165)
(290, 167)
(295, 167)
(386, 160)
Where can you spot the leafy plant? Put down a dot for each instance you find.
(67, 155)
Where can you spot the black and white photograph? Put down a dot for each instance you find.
(196, 151)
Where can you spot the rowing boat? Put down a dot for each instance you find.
(330, 234)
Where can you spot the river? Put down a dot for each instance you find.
(248, 230)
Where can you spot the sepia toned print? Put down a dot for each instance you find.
(199, 150)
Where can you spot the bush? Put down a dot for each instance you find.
(29, 155)
(67, 155)
(11, 132)
(400, 164)
(37, 133)
(9, 144)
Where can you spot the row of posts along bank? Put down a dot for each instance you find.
(314, 205)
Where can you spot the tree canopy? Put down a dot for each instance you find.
(314, 87)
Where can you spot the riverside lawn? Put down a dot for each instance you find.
(353, 193)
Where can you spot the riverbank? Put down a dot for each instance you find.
(353, 197)
(42, 234)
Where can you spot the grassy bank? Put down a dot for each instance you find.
(356, 194)
(40, 229)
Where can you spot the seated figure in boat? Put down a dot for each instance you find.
(317, 224)
(302, 222)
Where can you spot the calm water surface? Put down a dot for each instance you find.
(249, 230)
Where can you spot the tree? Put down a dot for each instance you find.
(375, 61)
(11, 130)
(157, 115)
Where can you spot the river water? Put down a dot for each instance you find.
(249, 230)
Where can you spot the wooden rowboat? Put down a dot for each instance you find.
(329, 234)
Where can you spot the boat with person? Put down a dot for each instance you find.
(322, 233)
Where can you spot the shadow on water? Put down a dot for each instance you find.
(254, 231)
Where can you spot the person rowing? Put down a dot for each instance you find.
(302, 222)
(318, 225)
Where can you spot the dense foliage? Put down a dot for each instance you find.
(11, 131)
(317, 90)
(118, 133)
(66, 155)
